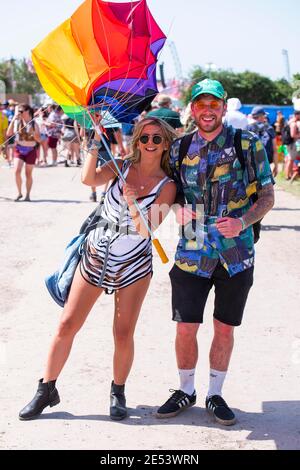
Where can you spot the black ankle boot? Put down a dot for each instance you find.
(118, 408)
(46, 395)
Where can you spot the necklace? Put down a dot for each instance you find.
(148, 180)
(141, 186)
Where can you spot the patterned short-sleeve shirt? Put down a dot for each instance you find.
(211, 177)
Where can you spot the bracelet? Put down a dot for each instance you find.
(243, 223)
(93, 147)
(97, 143)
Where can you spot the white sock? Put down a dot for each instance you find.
(187, 380)
(216, 380)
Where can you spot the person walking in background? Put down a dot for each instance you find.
(167, 114)
(127, 131)
(115, 137)
(293, 143)
(116, 258)
(54, 127)
(262, 128)
(27, 138)
(279, 123)
(3, 129)
(187, 120)
(41, 120)
(233, 116)
(71, 139)
(9, 111)
(218, 249)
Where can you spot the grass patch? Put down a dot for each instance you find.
(293, 188)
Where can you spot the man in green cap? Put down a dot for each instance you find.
(216, 169)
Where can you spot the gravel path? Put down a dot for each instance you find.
(262, 385)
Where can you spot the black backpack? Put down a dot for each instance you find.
(287, 139)
(183, 148)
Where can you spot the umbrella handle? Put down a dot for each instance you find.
(155, 241)
(160, 250)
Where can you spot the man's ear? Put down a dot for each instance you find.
(225, 109)
(192, 110)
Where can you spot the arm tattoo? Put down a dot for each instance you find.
(264, 204)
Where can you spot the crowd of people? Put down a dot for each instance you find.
(57, 138)
(210, 156)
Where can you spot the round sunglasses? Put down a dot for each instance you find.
(156, 139)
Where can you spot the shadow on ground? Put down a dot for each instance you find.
(279, 421)
(277, 228)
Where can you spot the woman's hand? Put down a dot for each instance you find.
(129, 193)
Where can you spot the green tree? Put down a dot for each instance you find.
(5, 74)
(17, 71)
(27, 82)
(283, 92)
(249, 87)
(296, 85)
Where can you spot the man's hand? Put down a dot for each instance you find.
(229, 227)
(184, 215)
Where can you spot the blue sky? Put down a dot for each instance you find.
(232, 34)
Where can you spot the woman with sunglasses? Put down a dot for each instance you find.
(117, 257)
(27, 135)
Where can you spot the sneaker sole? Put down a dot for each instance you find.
(175, 413)
(227, 422)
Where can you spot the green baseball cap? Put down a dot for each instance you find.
(209, 87)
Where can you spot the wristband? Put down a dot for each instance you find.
(243, 223)
(93, 147)
(97, 143)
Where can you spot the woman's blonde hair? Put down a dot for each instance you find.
(168, 134)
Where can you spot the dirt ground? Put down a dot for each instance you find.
(262, 385)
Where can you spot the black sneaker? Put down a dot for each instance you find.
(218, 407)
(178, 401)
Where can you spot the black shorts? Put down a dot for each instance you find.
(190, 292)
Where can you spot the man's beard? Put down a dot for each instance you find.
(210, 127)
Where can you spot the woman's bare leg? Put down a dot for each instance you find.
(81, 299)
(18, 178)
(128, 303)
(45, 150)
(29, 180)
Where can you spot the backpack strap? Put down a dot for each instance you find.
(240, 154)
(184, 146)
(238, 148)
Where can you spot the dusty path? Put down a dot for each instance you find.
(263, 383)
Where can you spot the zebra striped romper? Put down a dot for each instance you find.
(114, 254)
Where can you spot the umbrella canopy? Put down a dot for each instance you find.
(102, 58)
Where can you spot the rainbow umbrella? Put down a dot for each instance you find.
(102, 58)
